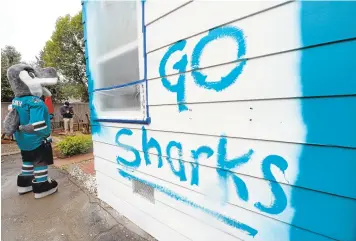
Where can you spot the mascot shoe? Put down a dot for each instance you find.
(44, 189)
(24, 183)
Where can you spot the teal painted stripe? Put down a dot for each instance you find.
(328, 169)
(84, 3)
(331, 69)
(41, 168)
(85, 31)
(334, 118)
(326, 21)
(330, 121)
(27, 174)
(87, 69)
(325, 214)
(41, 179)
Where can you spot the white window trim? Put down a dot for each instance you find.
(128, 116)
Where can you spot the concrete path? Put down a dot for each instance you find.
(70, 214)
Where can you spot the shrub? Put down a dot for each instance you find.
(73, 145)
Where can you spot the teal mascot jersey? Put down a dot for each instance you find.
(32, 110)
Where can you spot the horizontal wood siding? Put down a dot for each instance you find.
(269, 156)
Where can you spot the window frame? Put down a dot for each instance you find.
(128, 116)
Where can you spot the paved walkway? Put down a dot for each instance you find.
(9, 148)
(70, 214)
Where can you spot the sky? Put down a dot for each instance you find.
(28, 24)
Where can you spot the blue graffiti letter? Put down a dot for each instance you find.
(181, 172)
(146, 146)
(280, 202)
(195, 166)
(230, 78)
(135, 163)
(224, 167)
(181, 66)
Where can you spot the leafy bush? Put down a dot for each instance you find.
(73, 145)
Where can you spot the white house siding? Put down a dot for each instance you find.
(274, 164)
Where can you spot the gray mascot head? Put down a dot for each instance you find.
(25, 80)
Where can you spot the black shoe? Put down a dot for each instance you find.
(44, 189)
(24, 183)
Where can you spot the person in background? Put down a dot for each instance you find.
(67, 114)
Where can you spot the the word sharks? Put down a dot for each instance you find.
(224, 166)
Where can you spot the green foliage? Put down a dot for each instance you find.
(73, 90)
(9, 57)
(65, 52)
(73, 145)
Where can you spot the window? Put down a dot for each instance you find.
(116, 60)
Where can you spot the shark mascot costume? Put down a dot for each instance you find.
(29, 120)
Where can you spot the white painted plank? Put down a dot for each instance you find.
(155, 9)
(257, 81)
(170, 217)
(270, 32)
(192, 18)
(277, 120)
(276, 76)
(136, 214)
(268, 229)
(266, 120)
(285, 22)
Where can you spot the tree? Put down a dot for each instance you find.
(9, 57)
(65, 52)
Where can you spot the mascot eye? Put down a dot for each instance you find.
(31, 74)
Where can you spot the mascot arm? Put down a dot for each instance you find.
(46, 92)
(48, 101)
(11, 123)
(37, 122)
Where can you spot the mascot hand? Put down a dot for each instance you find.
(47, 72)
(47, 76)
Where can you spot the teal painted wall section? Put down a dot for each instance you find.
(336, 23)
